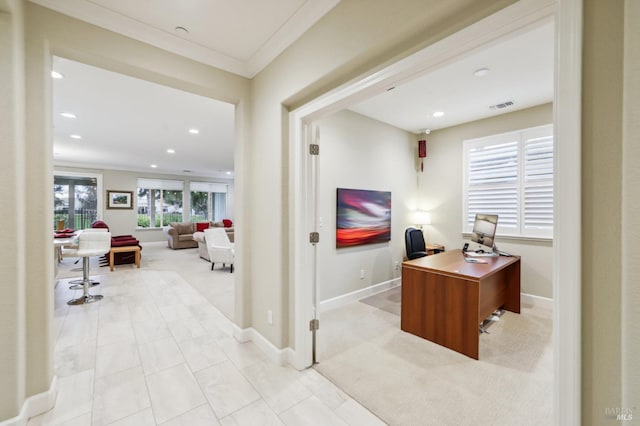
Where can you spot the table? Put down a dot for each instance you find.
(445, 298)
(434, 249)
(123, 249)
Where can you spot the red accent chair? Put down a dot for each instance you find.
(119, 241)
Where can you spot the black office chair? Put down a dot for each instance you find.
(414, 240)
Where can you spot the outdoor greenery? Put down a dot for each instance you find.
(75, 202)
(148, 210)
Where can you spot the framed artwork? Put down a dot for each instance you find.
(363, 217)
(119, 199)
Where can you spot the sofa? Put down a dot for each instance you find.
(180, 235)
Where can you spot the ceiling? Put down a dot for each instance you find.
(128, 124)
(520, 70)
(239, 36)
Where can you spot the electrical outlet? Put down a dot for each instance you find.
(396, 265)
(362, 274)
(270, 317)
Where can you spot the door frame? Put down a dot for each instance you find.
(567, 184)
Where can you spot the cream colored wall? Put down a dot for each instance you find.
(353, 37)
(611, 232)
(440, 192)
(360, 153)
(13, 326)
(602, 200)
(631, 207)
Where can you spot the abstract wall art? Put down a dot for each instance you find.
(363, 217)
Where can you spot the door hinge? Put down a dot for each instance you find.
(314, 237)
(314, 324)
(314, 149)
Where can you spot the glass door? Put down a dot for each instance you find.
(75, 202)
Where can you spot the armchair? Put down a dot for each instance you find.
(219, 247)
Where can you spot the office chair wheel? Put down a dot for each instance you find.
(85, 299)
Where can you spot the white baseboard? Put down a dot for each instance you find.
(342, 300)
(278, 356)
(536, 301)
(35, 405)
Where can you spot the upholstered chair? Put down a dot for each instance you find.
(219, 246)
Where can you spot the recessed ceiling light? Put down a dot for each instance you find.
(438, 114)
(75, 136)
(171, 151)
(56, 75)
(481, 72)
(194, 131)
(228, 173)
(68, 114)
(154, 166)
(181, 30)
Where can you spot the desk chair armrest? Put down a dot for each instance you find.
(417, 254)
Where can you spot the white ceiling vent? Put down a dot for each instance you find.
(503, 105)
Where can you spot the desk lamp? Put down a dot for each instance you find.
(422, 218)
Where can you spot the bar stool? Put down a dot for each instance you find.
(90, 244)
(70, 252)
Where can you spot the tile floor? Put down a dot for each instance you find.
(154, 351)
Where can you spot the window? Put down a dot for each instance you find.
(511, 175)
(75, 201)
(159, 202)
(208, 201)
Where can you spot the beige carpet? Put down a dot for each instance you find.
(406, 380)
(216, 286)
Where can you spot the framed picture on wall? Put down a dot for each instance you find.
(362, 217)
(119, 199)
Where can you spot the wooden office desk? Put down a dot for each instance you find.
(445, 298)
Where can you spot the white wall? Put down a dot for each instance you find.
(124, 222)
(440, 192)
(361, 153)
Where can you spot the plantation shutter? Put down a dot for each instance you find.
(511, 175)
(538, 185)
(493, 183)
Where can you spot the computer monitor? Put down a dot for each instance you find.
(484, 229)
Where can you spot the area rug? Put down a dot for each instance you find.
(388, 300)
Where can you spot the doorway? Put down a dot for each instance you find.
(567, 129)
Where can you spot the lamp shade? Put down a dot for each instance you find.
(421, 217)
